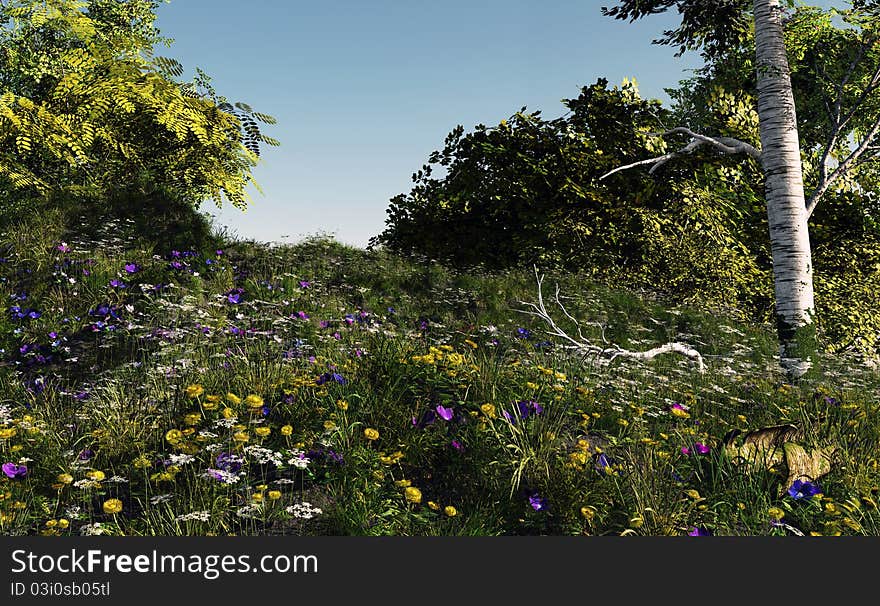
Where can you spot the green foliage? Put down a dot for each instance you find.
(87, 110)
(528, 191)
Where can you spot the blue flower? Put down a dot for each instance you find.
(537, 502)
(523, 333)
(331, 376)
(802, 490)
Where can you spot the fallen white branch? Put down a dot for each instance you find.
(727, 145)
(609, 351)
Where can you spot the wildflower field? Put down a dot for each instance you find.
(317, 389)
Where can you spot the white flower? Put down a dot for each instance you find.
(92, 530)
(181, 459)
(304, 510)
(200, 516)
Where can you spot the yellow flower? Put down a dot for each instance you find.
(112, 506)
(450, 511)
(254, 401)
(51, 523)
(263, 431)
(488, 410)
(679, 411)
(455, 359)
(212, 398)
(173, 436)
(286, 430)
(195, 390)
(775, 513)
(403, 483)
(342, 404)
(471, 343)
(228, 413)
(371, 434)
(329, 425)
(63, 523)
(413, 494)
(433, 506)
(142, 462)
(257, 497)
(274, 495)
(240, 436)
(233, 399)
(192, 419)
(96, 475)
(531, 385)
(7, 432)
(64, 478)
(588, 512)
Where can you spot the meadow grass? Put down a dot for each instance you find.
(319, 389)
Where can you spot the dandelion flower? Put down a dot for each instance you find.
(775, 513)
(679, 411)
(286, 430)
(254, 401)
(413, 494)
(173, 436)
(371, 434)
(194, 390)
(112, 506)
(450, 511)
(233, 399)
(64, 478)
(433, 505)
(263, 431)
(274, 495)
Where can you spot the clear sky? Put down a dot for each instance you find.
(365, 90)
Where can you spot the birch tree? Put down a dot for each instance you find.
(715, 27)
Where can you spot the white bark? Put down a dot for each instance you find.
(786, 209)
(727, 145)
(611, 350)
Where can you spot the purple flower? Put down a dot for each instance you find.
(305, 284)
(603, 464)
(86, 453)
(228, 462)
(117, 283)
(234, 296)
(428, 418)
(702, 448)
(685, 450)
(14, 471)
(445, 413)
(302, 315)
(537, 502)
(803, 490)
(331, 376)
(63, 247)
(523, 333)
(132, 268)
(457, 445)
(696, 531)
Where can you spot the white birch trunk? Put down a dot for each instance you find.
(786, 208)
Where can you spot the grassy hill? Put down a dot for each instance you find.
(322, 389)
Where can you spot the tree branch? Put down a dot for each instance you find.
(727, 145)
(843, 167)
(586, 347)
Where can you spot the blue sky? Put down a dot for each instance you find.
(365, 90)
